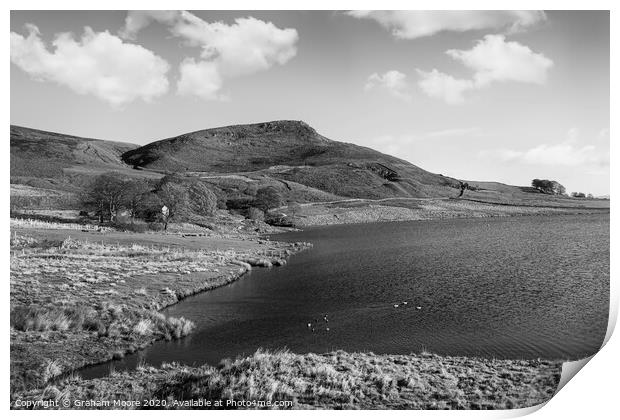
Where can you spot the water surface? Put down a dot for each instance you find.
(520, 287)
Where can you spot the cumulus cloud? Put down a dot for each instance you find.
(137, 20)
(565, 153)
(492, 59)
(245, 47)
(411, 24)
(393, 81)
(99, 64)
(442, 86)
(200, 78)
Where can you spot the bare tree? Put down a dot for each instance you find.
(105, 194)
(135, 197)
(293, 209)
(173, 196)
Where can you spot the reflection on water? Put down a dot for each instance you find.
(522, 287)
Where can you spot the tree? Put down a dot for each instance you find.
(558, 189)
(590, 195)
(255, 214)
(105, 194)
(293, 209)
(172, 195)
(202, 201)
(548, 187)
(184, 198)
(578, 195)
(135, 198)
(267, 198)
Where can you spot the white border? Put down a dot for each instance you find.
(592, 393)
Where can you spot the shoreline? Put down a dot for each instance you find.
(502, 217)
(235, 269)
(33, 349)
(319, 214)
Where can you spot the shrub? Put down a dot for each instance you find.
(267, 198)
(202, 201)
(278, 219)
(255, 214)
(238, 203)
(155, 226)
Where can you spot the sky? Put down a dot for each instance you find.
(504, 96)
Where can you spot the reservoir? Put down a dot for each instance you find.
(514, 287)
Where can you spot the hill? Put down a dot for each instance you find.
(235, 161)
(290, 151)
(47, 161)
(40, 153)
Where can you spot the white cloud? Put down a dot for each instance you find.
(411, 24)
(99, 64)
(200, 78)
(393, 81)
(566, 153)
(137, 20)
(245, 47)
(443, 86)
(494, 60)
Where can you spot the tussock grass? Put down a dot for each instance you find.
(36, 318)
(335, 380)
(84, 302)
(33, 224)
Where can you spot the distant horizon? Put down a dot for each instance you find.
(506, 96)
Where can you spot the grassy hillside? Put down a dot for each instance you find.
(236, 160)
(55, 162)
(37, 153)
(291, 151)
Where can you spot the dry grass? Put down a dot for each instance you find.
(79, 302)
(40, 224)
(389, 210)
(335, 380)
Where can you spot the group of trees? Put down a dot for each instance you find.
(168, 199)
(549, 187)
(554, 187)
(581, 195)
(258, 202)
(172, 198)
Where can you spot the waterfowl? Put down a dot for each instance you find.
(418, 307)
(327, 329)
(396, 305)
(405, 302)
(309, 325)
